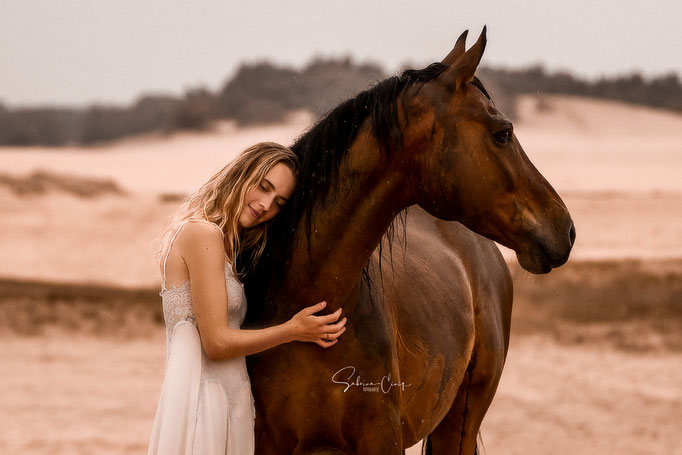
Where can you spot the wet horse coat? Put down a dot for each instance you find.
(428, 320)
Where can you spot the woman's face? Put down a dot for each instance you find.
(265, 200)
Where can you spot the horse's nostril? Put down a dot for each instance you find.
(571, 234)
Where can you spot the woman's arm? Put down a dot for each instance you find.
(303, 327)
(201, 247)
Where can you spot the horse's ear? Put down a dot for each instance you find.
(456, 51)
(462, 71)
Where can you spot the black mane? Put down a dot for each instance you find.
(320, 151)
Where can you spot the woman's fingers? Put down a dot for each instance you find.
(326, 319)
(315, 308)
(326, 344)
(336, 327)
(335, 335)
(328, 327)
(330, 337)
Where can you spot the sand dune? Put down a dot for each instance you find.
(580, 144)
(616, 166)
(154, 163)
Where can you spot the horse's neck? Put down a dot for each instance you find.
(344, 235)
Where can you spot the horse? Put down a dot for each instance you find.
(427, 160)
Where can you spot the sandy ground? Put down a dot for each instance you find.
(98, 395)
(617, 168)
(578, 400)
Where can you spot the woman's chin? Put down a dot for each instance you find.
(247, 224)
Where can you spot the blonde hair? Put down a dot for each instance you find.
(220, 200)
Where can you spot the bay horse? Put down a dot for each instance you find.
(427, 332)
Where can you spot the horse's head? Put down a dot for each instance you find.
(470, 167)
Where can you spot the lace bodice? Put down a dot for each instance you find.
(177, 303)
(231, 374)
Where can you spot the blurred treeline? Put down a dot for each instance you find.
(265, 93)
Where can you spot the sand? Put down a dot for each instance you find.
(154, 163)
(69, 395)
(616, 166)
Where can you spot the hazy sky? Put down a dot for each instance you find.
(78, 51)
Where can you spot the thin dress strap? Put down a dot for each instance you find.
(165, 259)
(170, 244)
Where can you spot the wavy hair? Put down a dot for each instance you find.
(221, 199)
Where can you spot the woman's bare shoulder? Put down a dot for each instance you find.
(197, 232)
(202, 240)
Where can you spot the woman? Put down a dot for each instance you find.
(206, 405)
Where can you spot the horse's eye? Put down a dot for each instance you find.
(503, 136)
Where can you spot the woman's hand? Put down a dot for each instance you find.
(323, 330)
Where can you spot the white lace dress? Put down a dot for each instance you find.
(206, 407)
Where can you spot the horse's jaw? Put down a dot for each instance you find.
(533, 264)
(542, 257)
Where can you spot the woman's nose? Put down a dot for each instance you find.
(266, 203)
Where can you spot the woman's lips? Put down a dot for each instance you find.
(254, 213)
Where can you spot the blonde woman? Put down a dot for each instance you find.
(206, 406)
